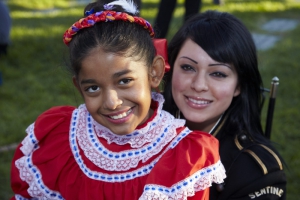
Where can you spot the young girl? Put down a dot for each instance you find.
(214, 83)
(120, 144)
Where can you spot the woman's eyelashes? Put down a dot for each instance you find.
(219, 74)
(187, 67)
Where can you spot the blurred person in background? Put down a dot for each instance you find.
(5, 26)
(165, 12)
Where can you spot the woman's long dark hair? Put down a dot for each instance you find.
(225, 39)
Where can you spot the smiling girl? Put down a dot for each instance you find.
(119, 144)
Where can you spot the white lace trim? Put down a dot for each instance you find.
(30, 142)
(19, 197)
(30, 173)
(115, 177)
(139, 137)
(161, 131)
(187, 188)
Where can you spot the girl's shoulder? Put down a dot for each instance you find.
(191, 165)
(200, 140)
(201, 145)
(55, 118)
(46, 145)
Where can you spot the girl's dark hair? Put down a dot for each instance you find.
(118, 37)
(225, 39)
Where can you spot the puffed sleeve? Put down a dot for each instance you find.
(187, 170)
(46, 140)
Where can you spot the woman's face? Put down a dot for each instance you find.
(202, 88)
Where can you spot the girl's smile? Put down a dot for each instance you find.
(121, 117)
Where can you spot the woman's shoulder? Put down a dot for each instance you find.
(252, 167)
(259, 151)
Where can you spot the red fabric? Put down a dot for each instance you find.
(162, 50)
(60, 172)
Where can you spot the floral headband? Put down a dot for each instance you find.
(108, 16)
(104, 16)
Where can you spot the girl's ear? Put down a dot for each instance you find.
(75, 83)
(157, 71)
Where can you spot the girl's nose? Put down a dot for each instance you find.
(199, 83)
(112, 100)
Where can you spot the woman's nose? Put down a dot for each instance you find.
(112, 100)
(199, 83)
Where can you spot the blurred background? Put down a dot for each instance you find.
(33, 75)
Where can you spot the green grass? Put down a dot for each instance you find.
(35, 77)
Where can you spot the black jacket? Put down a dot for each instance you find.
(254, 171)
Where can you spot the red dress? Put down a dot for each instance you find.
(68, 155)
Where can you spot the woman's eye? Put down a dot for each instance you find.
(219, 74)
(125, 81)
(187, 68)
(92, 89)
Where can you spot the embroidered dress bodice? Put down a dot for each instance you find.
(68, 155)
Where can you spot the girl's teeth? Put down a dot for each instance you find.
(121, 115)
(199, 101)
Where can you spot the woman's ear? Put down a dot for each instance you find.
(157, 71)
(237, 91)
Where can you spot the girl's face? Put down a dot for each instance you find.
(202, 87)
(116, 90)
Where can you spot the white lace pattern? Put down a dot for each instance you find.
(200, 180)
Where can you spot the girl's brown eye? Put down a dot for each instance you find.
(125, 81)
(92, 89)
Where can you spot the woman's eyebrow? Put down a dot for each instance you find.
(224, 64)
(189, 59)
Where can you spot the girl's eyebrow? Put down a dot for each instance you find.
(115, 75)
(87, 81)
(120, 73)
(189, 59)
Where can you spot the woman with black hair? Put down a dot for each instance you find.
(214, 83)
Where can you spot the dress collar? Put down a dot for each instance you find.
(139, 137)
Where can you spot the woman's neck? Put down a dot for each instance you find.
(206, 126)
